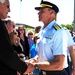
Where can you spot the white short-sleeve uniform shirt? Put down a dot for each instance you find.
(70, 42)
(70, 39)
(52, 42)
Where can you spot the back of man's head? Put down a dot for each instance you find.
(7, 21)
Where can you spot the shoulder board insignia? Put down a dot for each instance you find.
(57, 27)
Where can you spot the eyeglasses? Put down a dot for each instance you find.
(8, 6)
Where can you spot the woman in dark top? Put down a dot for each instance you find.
(24, 41)
(17, 49)
(16, 44)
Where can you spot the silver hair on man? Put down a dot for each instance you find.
(2, 1)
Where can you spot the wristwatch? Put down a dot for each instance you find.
(36, 66)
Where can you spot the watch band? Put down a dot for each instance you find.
(36, 66)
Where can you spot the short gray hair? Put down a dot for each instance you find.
(2, 1)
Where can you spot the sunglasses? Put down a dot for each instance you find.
(13, 26)
(30, 34)
(21, 29)
(8, 6)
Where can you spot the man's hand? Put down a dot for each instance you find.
(30, 68)
(18, 73)
(32, 60)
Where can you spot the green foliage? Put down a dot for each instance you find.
(68, 26)
(29, 28)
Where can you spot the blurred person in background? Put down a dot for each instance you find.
(10, 26)
(24, 40)
(72, 34)
(30, 38)
(37, 29)
(15, 41)
(33, 53)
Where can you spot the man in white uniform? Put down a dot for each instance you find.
(52, 44)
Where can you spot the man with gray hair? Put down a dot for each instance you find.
(10, 26)
(10, 63)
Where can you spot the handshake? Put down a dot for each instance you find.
(32, 64)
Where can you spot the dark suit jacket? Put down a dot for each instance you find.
(9, 61)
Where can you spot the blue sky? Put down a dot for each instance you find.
(24, 12)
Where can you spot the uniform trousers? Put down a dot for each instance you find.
(69, 68)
